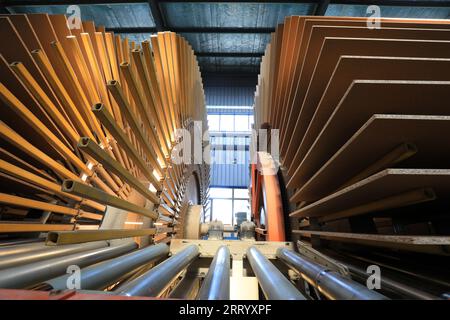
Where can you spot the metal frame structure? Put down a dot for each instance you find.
(158, 16)
(232, 203)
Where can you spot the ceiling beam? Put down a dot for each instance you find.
(224, 30)
(157, 15)
(409, 3)
(3, 8)
(192, 30)
(400, 3)
(230, 54)
(66, 2)
(133, 30)
(321, 8)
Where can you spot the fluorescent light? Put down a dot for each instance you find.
(152, 188)
(135, 223)
(156, 175)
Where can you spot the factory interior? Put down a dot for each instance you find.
(225, 150)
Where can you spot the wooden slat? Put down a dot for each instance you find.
(396, 96)
(59, 76)
(32, 227)
(428, 133)
(428, 244)
(331, 51)
(388, 182)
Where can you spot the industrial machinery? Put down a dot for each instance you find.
(101, 198)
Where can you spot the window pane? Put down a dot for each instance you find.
(220, 193)
(241, 194)
(207, 214)
(223, 210)
(240, 157)
(241, 123)
(226, 122)
(241, 206)
(214, 122)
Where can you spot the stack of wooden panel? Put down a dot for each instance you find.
(88, 120)
(364, 124)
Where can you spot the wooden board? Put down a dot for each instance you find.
(386, 183)
(363, 99)
(426, 244)
(68, 74)
(306, 88)
(329, 56)
(350, 68)
(376, 138)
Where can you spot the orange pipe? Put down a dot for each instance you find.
(274, 208)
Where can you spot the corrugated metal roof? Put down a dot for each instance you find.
(231, 159)
(230, 175)
(124, 15)
(227, 42)
(206, 14)
(220, 15)
(229, 96)
(226, 64)
(137, 37)
(230, 111)
(389, 11)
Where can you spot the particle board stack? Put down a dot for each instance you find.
(364, 122)
(88, 120)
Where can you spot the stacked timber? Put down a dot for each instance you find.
(364, 124)
(89, 122)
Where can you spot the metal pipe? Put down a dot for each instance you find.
(138, 60)
(103, 274)
(216, 285)
(273, 283)
(23, 241)
(330, 283)
(95, 194)
(95, 151)
(41, 205)
(357, 268)
(27, 275)
(398, 154)
(21, 110)
(399, 200)
(30, 177)
(116, 91)
(25, 254)
(388, 283)
(82, 236)
(155, 281)
(9, 249)
(108, 121)
(164, 116)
